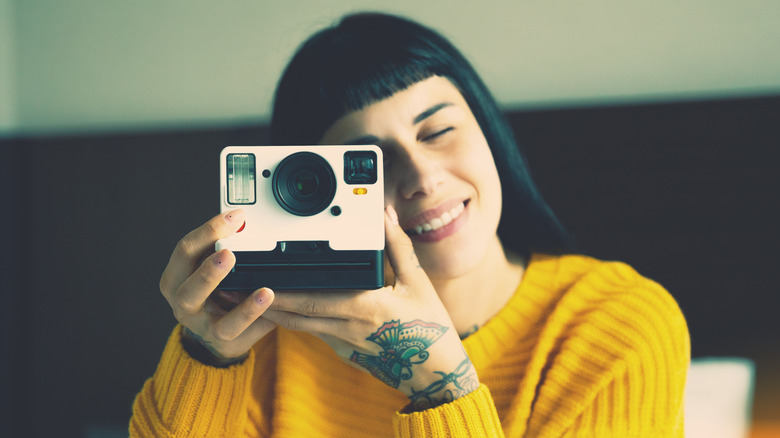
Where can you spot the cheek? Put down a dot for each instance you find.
(484, 176)
(478, 163)
(390, 188)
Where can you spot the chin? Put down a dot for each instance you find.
(445, 264)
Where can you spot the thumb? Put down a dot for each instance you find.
(400, 250)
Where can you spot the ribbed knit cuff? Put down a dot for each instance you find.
(204, 400)
(471, 415)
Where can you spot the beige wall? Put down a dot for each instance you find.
(7, 81)
(94, 65)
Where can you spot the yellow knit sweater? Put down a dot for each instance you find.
(583, 348)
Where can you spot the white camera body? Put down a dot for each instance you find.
(314, 216)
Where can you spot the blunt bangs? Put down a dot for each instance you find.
(369, 85)
(362, 60)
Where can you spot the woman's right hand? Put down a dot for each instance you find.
(215, 333)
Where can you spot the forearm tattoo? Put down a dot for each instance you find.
(404, 345)
(451, 386)
(473, 329)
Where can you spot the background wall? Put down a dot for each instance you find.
(8, 101)
(84, 65)
(652, 131)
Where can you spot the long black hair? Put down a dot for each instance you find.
(368, 57)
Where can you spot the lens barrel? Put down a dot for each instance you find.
(304, 184)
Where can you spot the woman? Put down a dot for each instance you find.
(485, 329)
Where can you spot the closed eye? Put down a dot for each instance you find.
(437, 134)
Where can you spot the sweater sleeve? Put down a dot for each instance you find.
(185, 398)
(471, 415)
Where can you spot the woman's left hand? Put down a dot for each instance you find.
(401, 334)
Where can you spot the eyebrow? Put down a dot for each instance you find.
(430, 111)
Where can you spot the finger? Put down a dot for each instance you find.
(301, 323)
(389, 277)
(193, 292)
(236, 322)
(400, 250)
(329, 304)
(193, 246)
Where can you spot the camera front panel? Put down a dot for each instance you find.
(331, 194)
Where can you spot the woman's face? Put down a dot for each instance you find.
(439, 172)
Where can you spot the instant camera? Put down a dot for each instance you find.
(314, 217)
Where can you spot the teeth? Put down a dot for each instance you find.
(444, 219)
(455, 212)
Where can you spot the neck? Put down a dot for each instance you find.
(475, 297)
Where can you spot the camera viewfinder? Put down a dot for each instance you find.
(360, 167)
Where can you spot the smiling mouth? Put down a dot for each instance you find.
(438, 222)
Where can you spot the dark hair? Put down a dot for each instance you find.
(368, 57)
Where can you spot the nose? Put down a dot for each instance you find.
(419, 174)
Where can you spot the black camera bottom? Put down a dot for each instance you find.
(306, 265)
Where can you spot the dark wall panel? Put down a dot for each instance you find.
(687, 193)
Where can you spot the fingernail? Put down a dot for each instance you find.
(234, 216)
(219, 259)
(391, 214)
(262, 295)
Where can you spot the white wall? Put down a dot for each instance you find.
(86, 65)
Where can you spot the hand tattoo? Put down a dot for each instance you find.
(403, 345)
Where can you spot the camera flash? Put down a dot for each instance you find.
(360, 191)
(241, 178)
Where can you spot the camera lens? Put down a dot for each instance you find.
(304, 184)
